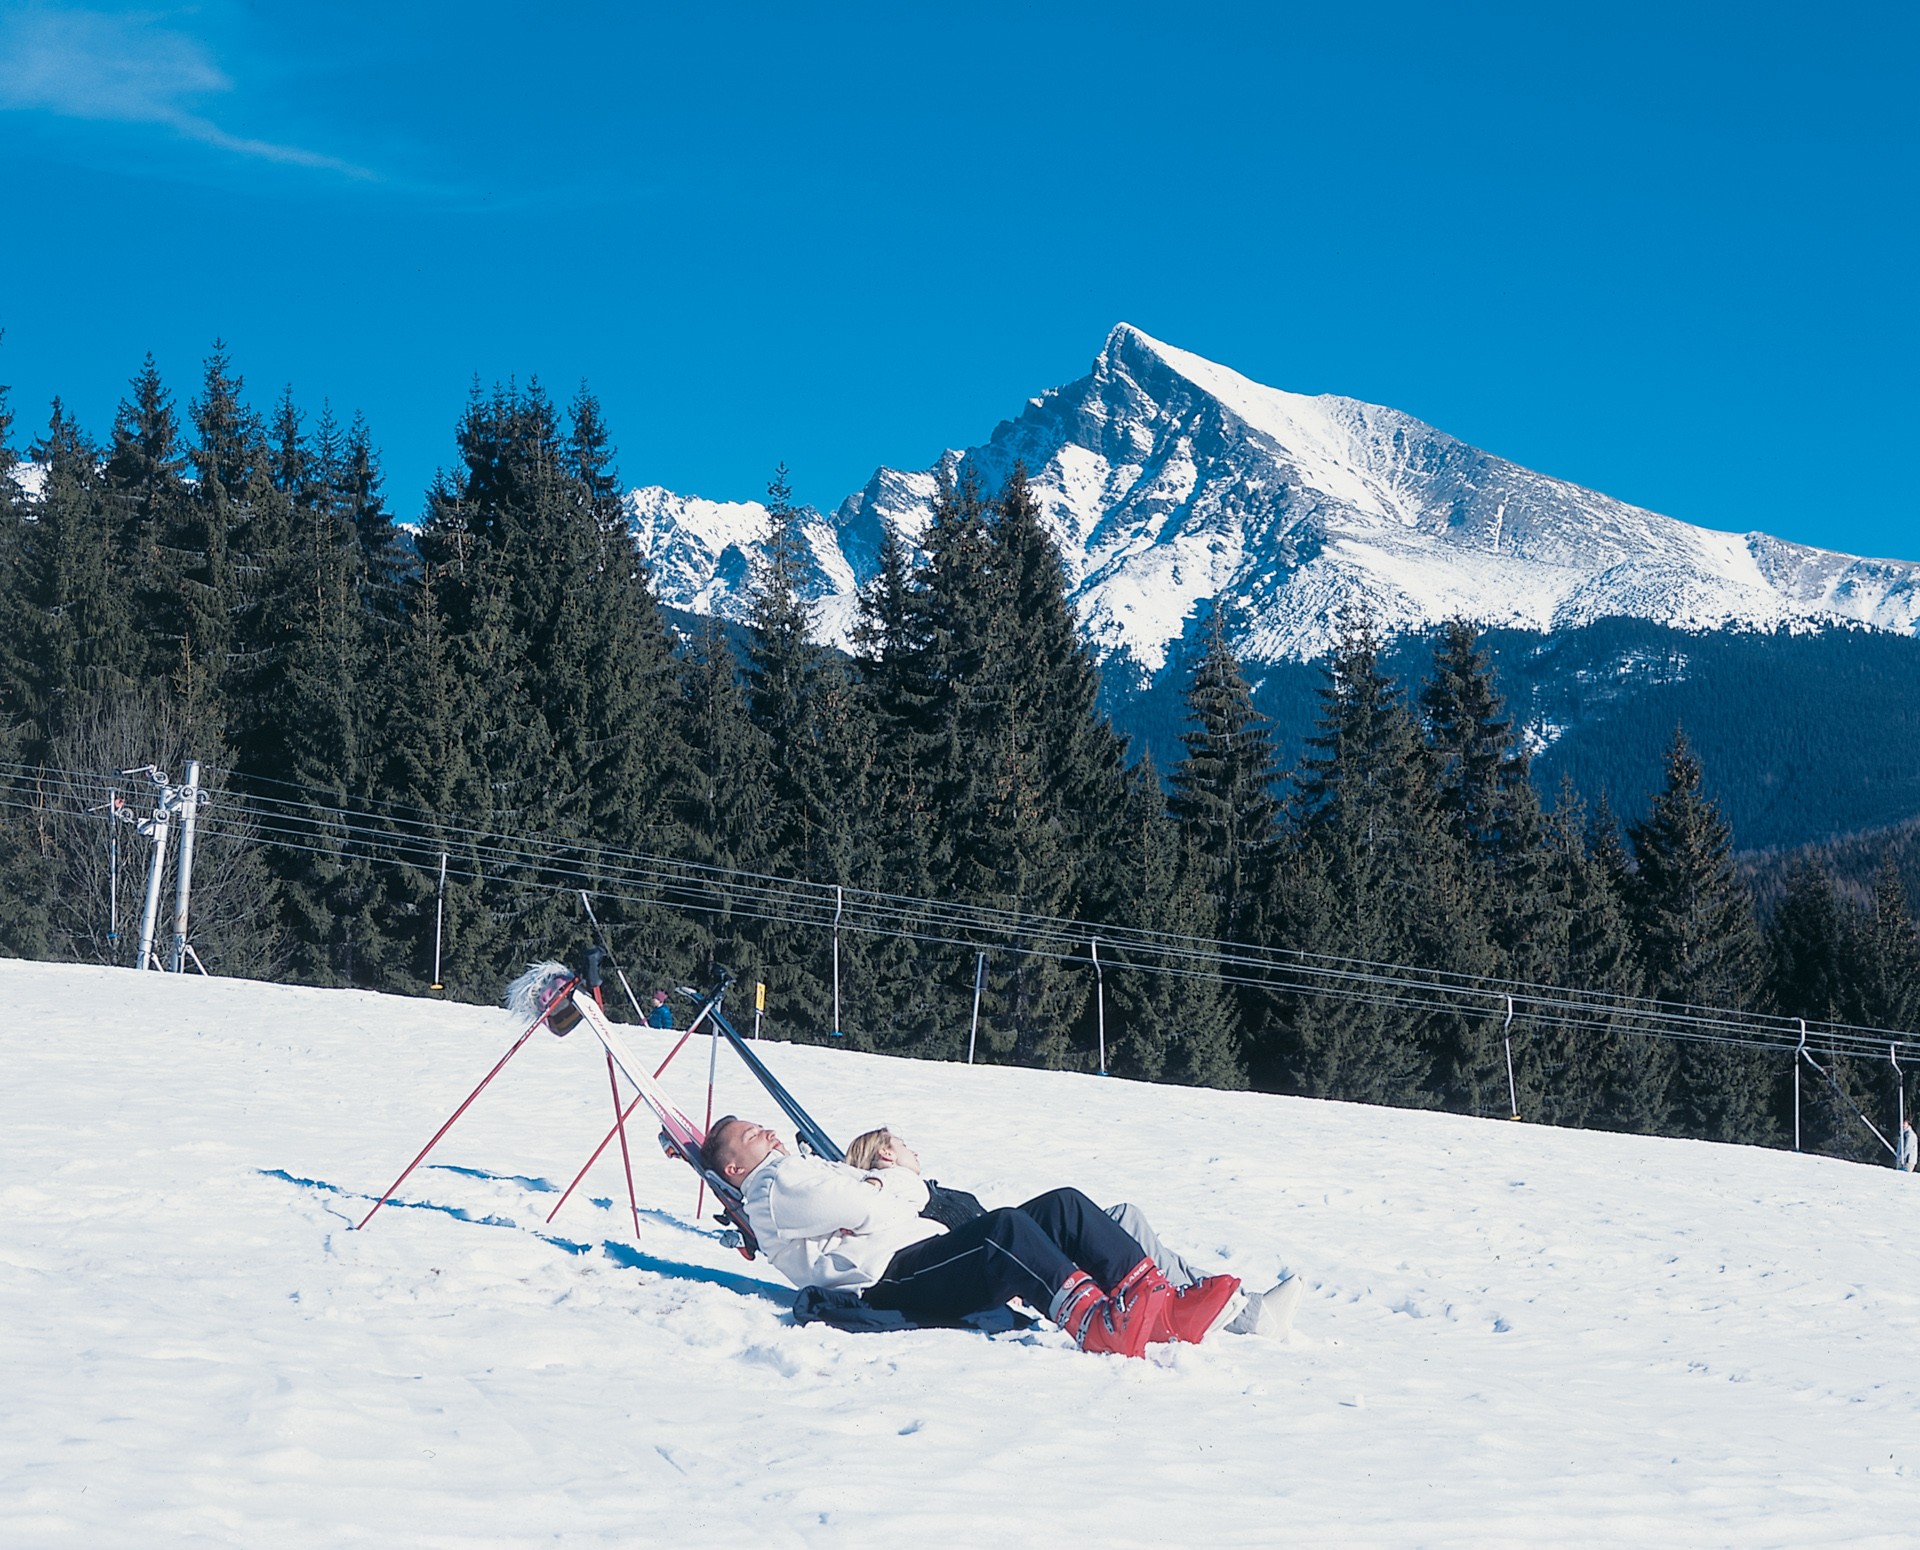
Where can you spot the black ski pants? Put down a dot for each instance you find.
(1017, 1251)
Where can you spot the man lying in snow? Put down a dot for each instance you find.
(830, 1225)
(1267, 1313)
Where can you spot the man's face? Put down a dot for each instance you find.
(746, 1146)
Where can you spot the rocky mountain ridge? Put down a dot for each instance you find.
(1171, 483)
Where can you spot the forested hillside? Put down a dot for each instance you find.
(502, 689)
(1808, 735)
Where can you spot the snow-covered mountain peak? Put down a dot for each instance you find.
(1171, 481)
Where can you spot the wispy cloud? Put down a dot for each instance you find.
(130, 69)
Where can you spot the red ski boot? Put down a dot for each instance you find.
(1188, 1314)
(1105, 1324)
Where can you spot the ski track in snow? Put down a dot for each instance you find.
(1512, 1335)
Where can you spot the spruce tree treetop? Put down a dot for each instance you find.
(1471, 737)
(231, 441)
(355, 490)
(292, 466)
(1810, 948)
(145, 462)
(1702, 943)
(590, 449)
(1223, 788)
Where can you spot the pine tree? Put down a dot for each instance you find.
(1486, 799)
(424, 770)
(803, 832)
(566, 691)
(222, 540)
(620, 728)
(1034, 774)
(1605, 1074)
(1886, 979)
(1700, 945)
(1814, 942)
(914, 998)
(24, 883)
(500, 572)
(15, 663)
(1808, 948)
(1373, 876)
(146, 495)
(70, 605)
(1223, 789)
(308, 713)
(355, 491)
(1170, 1015)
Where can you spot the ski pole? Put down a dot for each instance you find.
(626, 1158)
(624, 1115)
(454, 1116)
(713, 1070)
(601, 937)
(546, 1011)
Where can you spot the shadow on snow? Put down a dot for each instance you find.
(624, 1255)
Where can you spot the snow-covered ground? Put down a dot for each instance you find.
(1512, 1336)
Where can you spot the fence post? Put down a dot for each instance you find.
(1506, 1034)
(838, 900)
(1899, 1102)
(1099, 1001)
(1799, 1053)
(979, 976)
(440, 915)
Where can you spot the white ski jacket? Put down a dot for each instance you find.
(826, 1224)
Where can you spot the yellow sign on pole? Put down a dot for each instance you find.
(759, 995)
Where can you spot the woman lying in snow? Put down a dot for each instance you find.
(1267, 1313)
(828, 1225)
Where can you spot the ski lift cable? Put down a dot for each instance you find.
(1274, 977)
(1613, 1006)
(546, 851)
(433, 836)
(787, 901)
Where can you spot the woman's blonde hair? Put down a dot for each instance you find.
(864, 1150)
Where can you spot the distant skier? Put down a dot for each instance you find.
(662, 1015)
(833, 1226)
(1909, 1147)
(1256, 1313)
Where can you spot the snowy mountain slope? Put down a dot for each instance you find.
(1170, 481)
(1513, 1336)
(30, 478)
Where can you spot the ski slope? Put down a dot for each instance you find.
(1512, 1336)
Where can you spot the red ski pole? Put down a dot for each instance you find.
(454, 1116)
(620, 1124)
(623, 1116)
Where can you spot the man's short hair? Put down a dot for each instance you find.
(713, 1151)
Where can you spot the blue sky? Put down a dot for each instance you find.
(1668, 251)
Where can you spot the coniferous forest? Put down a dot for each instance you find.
(501, 686)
